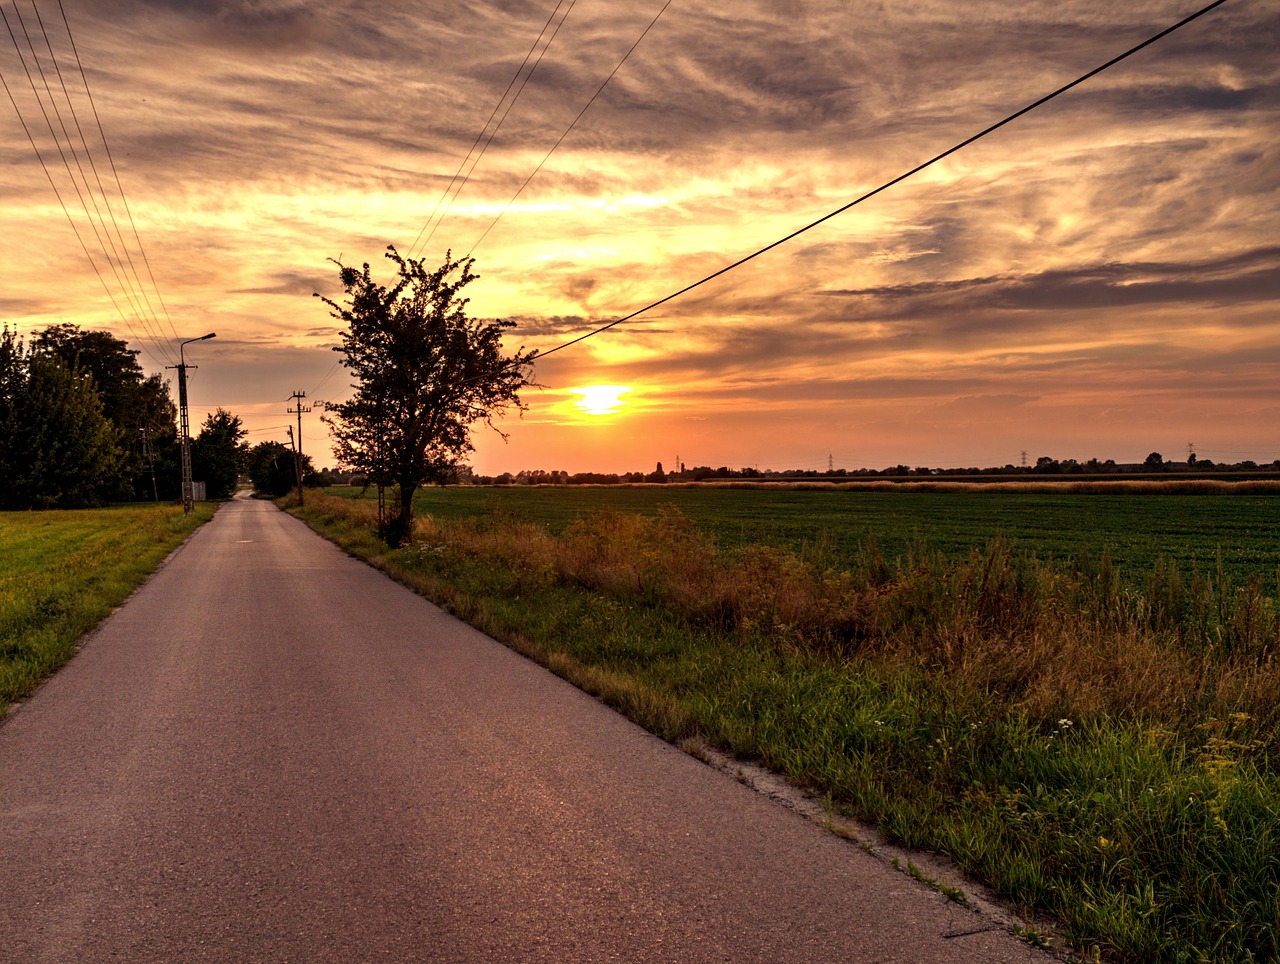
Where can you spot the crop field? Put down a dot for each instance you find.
(1136, 528)
(64, 571)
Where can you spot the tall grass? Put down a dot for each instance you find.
(64, 571)
(1170, 486)
(1104, 753)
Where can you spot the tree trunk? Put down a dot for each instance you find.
(400, 532)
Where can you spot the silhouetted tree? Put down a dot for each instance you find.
(425, 373)
(270, 466)
(57, 450)
(138, 405)
(218, 454)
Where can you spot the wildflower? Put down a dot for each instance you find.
(1065, 724)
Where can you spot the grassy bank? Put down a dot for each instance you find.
(1101, 752)
(1200, 522)
(64, 571)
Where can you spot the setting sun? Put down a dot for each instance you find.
(600, 399)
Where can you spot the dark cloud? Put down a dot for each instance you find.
(20, 306)
(553, 325)
(1245, 277)
(292, 283)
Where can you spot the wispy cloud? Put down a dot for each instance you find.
(1116, 245)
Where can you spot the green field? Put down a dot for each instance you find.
(1137, 529)
(64, 571)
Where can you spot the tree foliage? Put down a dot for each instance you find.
(218, 453)
(425, 372)
(270, 466)
(57, 448)
(138, 405)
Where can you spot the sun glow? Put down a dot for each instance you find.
(600, 399)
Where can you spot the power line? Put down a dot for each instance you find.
(71, 221)
(115, 173)
(327, 375)
(501, 119)
(560, 140)
(901, 177)
(479, 134)
(58, 143)
(134, 282)
(269, 428)
(107, 247)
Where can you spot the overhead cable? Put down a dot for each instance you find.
(901, 177)
(497, 127)
(132, 281)
(156, 349)
(560, 140)
(106, 147)
(71, 221)
(479, 134)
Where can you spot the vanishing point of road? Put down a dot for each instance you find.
(272, 752)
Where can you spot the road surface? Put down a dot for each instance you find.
(273, 752)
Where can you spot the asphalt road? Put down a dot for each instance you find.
(273, 752)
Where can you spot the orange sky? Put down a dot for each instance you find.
(1098, 279)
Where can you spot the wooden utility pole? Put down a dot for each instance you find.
(298, 410)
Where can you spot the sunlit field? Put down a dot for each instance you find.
(1135, 524)
(64, 571)
(1073, 696)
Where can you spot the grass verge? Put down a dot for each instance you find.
(65, 571)
(1102, 754)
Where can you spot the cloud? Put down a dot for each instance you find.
(1239, 278)
(291, 283)
(1119, 241)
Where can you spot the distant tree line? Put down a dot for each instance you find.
(1045, 466)
(81, 425)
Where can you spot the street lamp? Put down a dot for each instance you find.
(185, 429)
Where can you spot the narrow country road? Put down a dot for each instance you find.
(273, 752)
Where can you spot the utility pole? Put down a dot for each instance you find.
(298, 410)
(297, 464)
(145, 433)
(188, 503)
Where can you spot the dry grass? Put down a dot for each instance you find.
(1062, 485)
(1047, 640)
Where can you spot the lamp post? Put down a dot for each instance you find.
(185, 428)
